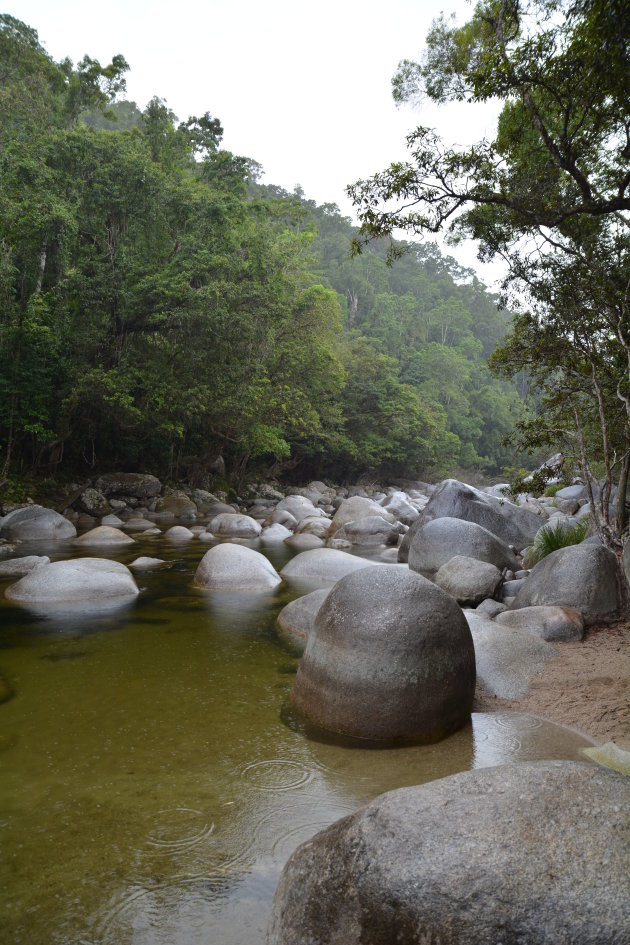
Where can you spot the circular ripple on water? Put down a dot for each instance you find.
(519, 722)
(277, 775)
(178, 829)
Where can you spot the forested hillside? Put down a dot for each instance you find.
(160, 308)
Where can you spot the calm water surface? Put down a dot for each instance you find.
(150, 789)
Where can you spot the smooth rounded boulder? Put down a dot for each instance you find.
(35, 523)
(441, 539)
(535, 853)
(586, 577)
(355, 508)
(323, 565)
(235, 567)
(297, 618)
(16, 567)
(371, 530)
(81, 579)
(390, 656)
(468, 580)
(234, 525)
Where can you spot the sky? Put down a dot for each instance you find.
(304, 89)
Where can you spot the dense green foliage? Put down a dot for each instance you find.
(550, 194)
(161, 309)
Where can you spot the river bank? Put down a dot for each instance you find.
(587, 686)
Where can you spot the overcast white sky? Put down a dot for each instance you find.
(302, 88)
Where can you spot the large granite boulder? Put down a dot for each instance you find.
(299, 507)
(554, 624)
(297, 619)
(322, 565)
(390, 656)
(235, 567)
(442, 538)
(103, 535)
(467, 580)
(586, 577)
(453, 499)
(304, 542)
(136, 485)
(355, 508)
(233, 525)
(81, 579)
(535, 853)
(35, 523)
(371, 530)
(314, 525)
(399, 505)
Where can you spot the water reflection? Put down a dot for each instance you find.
(150, 792)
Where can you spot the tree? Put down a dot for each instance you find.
(550, 194)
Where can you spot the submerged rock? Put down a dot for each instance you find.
(103, 535)
(390, 656)
(18, 566)
(234, 525)
(533, 853)
(297, 619)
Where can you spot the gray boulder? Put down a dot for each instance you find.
(35, 523)
(507, 659)
(490, 608)
(535, 853)
(314, 525)
(586, 577)
(398, 505)
(179, 505)
(89, 579)
(233, 525)
(144, 563)
(553, 624)
(323, 565)
(299, 507)
(297, 619)
(390, 656)
(93, 502)
(356, 508)
(111, 520)
(371, 530)
(275, 532)
(468, 580)
(236, 567)
(179, 533)
(304, 542)
(453, 499)
(103, 535)
(442, 538)
(135, 485)
(15, 567)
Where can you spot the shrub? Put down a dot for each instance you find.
(552, 537)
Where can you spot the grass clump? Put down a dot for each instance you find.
(552, 537)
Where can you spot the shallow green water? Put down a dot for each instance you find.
(150, 791)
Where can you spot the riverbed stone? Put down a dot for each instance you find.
(314, 525)
(179, 533)
(553, 624)
(442, 538)
(390, 656)
(112, 520)
(89, 579)
(356, 508)
(93, 502)
(275, 532)
(103, 535)
(468, 580)
(138, 525)
(35, 523)
(399, 505)
(131, 485)
(371, 530)
(507, 659)
(234, 525)
(15, 567)
(180, 506)
(144, 563)
(536, 853)
(585, 576)
(299, 507)
(324, 565)
(490, 607)
(297, 619)
(235, 567)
